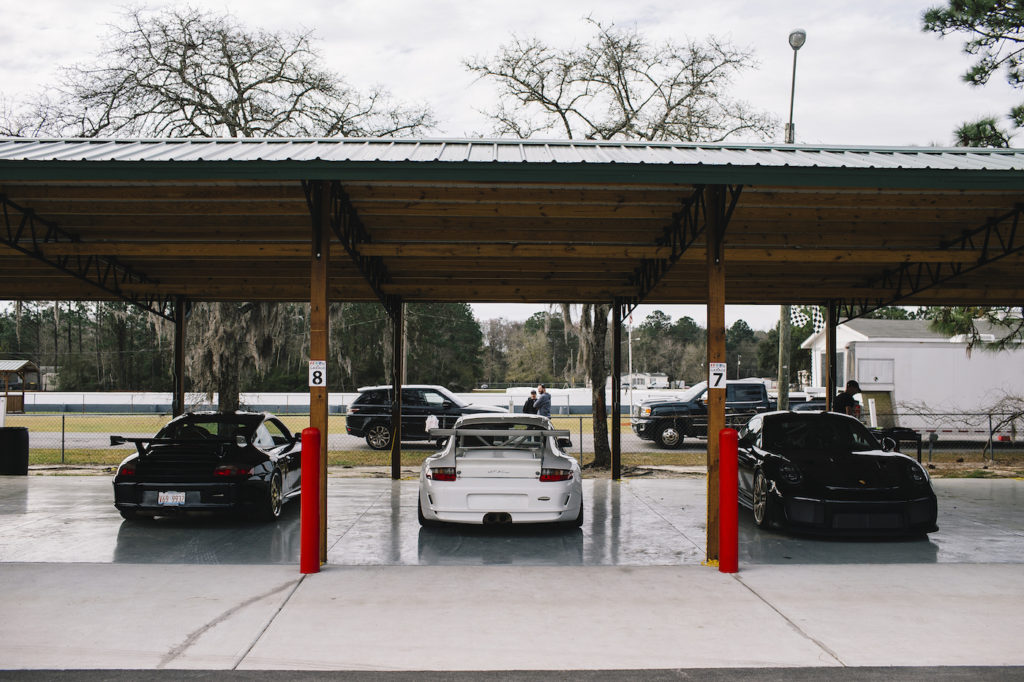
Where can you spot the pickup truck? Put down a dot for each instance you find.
(668, 421)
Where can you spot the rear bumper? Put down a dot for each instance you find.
(219, 496)
(525, 500)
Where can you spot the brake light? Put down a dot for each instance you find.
(441, 474)
(127, 469)
(231, 470)
(548, 475)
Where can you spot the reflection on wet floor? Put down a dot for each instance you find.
(373, 522)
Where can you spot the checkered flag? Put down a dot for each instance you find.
(819, 319)
(797, 316)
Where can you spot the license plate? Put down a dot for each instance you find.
(171, 498)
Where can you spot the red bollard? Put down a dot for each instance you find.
(309, 557)
(728, 513)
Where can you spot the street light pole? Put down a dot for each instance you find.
(797, 38)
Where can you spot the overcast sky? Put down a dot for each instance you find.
(868, 75)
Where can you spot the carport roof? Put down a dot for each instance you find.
(531, 221)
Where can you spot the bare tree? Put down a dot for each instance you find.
(620, 86)
(617, 86)
(187, 73)
(184, 73)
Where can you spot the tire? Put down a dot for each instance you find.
(135, 515)
(424, 521)
(761, 502)
(378, 436)
(578, 521)
(273, 500)
(669, 436)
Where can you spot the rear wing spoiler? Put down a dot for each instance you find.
(140, 443)
(557, 433)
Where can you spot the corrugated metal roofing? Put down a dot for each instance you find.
(14, 365)
(508, 151)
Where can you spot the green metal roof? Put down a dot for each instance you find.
(511, 160)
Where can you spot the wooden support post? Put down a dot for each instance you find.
(178, 400)
(616, 390)
(715, 207)
(398, 350)
(831, 315)
(319, 336)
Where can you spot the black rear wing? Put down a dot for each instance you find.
(145, 445)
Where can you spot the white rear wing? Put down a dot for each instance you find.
(557, 433)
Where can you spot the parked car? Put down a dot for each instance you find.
(500, 469)
(244, 462)
(369, 415)
(668, 421)
(825, 472)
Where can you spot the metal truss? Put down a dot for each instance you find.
(997, 238)
(687, 225)
(24, 231)
(350, 231)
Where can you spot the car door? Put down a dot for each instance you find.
(274, 439)
(414, 413)
(439, 405)
(747, 456)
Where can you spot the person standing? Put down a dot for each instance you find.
(844, 402)
(543, 404)
(530, 406)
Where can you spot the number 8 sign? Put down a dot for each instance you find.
(317, 373)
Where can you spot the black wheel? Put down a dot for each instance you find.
(669, 436)
(273, 500)
(135, 515)
(578, 521)
(424, 521)
(764, 506)
(378, 436)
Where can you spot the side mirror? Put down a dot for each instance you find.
(888, 444)
(564, 443)
(447, 404)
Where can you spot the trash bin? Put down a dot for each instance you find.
(14, 451)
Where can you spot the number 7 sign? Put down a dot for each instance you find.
(716, 375)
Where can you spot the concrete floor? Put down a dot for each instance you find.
(372, 522)
(83, 590)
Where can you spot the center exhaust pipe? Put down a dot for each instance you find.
(497, 518)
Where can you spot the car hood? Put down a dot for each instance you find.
(852, 470)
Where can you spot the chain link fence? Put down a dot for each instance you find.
(82, 439)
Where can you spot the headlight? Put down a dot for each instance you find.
(645, 412)
(918, 475)
(789, 473)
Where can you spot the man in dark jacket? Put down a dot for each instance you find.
(529, 407)
(844, 402)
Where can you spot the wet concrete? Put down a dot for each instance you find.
(372, 522)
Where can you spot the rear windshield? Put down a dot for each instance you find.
(205, 428)
(515, 436)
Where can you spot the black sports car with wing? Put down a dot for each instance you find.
(825, 472)
(243, 462)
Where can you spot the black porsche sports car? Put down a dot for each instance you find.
(210, 461)
(825, 472)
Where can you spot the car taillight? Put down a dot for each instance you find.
(441, 474)
(555, 475)
(127, 469)
(231, 470)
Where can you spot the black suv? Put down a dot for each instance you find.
(369, 415)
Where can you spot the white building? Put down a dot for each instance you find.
(904, 366)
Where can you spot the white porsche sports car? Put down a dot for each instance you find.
(507, 468)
